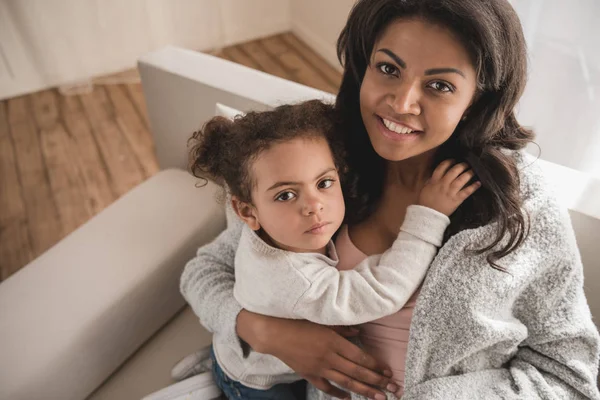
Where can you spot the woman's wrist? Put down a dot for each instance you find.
(250, 327)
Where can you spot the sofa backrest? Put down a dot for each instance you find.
(182, 89)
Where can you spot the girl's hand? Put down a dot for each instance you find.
(317, 353)
(446, 190)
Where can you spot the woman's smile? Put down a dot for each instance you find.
(397, 132)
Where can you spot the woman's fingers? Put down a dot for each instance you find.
(360, 373)
(360, 358)
(346, 331)
(354, 386)
(324, 386)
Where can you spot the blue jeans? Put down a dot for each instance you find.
(234, 390)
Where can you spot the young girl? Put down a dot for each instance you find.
(283, 170)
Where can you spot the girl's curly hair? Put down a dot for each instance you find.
(223, 150)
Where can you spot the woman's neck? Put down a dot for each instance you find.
(410, 175)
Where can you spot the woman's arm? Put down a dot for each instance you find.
(207, 283)
(559, 359)
(318, 354)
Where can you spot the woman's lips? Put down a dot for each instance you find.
(397, 137)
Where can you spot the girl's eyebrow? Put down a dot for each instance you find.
(433, 71)
(289, 183)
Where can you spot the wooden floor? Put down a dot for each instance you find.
(65, 158)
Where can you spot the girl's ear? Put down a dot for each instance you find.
(246, 212)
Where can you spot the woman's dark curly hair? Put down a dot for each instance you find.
(223, 150)
(491, 32)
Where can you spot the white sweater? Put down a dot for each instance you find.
(283, 284)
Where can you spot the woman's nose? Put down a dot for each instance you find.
(405, 99)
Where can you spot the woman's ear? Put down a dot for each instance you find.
(246, 212)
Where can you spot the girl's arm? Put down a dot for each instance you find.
(380, 285)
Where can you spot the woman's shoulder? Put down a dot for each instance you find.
(547, 216)
(550, 237)
(536, 188)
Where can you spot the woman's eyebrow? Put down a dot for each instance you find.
(393, 55)
(433, 71)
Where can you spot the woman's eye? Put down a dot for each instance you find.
(441, 87)
(285, 196)
(326, 183)
(387, 69)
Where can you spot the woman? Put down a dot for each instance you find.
(502, 313)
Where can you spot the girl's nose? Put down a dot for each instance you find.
(312, 206)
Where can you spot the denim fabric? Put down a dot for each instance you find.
(234, 390)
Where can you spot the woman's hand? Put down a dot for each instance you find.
(317, 353)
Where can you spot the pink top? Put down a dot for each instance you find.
(386, 338)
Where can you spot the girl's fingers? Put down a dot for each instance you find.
(454, 172)
(469, 190)
(441, 170)
(462, 180)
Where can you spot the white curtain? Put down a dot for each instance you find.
(53, 42)
(562, 99)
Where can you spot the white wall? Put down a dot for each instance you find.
(48, 43)
(319, 22)
(562, 100)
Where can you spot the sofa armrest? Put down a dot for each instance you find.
(73, 315)
(182, 86)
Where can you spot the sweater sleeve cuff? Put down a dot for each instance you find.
(233, 308)
(426, 224)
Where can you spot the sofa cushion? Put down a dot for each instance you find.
(73, 315)
(149, 369)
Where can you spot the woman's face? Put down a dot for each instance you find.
(417, 87)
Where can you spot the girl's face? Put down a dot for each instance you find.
(417, 87)
(297, 196)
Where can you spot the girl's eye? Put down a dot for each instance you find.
(285, 196)
(326, 183)
(441, 87)
(387, 69)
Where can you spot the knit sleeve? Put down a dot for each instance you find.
(207, 283)
(380, 285)
(559, 357)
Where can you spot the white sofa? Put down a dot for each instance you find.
(99, 315)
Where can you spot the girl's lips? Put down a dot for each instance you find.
(397, 137)
(318, 228)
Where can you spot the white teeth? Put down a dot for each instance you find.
(395, 127)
